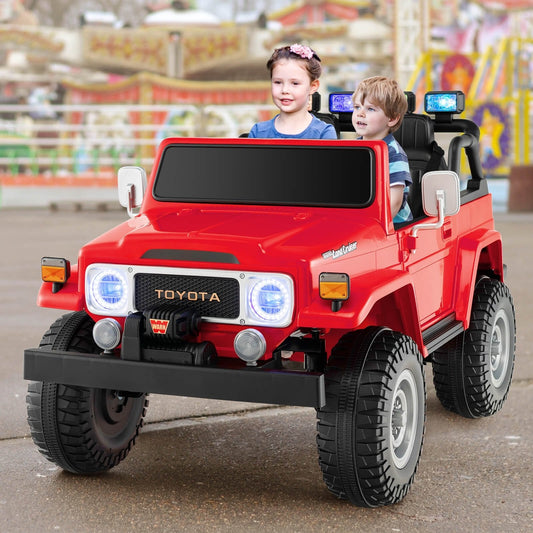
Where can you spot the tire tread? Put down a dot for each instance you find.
(59, 415)
(461, 369)
(370, 483)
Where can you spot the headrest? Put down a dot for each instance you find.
(415, 133)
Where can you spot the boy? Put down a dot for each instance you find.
(379, 107)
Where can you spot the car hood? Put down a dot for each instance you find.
(241, 235)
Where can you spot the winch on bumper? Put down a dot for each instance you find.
(185, 368)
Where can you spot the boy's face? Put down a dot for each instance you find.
(291, 86)
(370, 121)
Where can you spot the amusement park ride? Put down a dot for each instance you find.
(497, 81)
(176, 65)
(498, 89)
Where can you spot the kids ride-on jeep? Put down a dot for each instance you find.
(271, 271)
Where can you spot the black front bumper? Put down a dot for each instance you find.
(221, 381)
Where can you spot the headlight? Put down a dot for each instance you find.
(106, 290)
(270, 300)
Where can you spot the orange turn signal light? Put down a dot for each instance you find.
(334, 286)
(55, 269)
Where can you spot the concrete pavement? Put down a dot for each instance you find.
(224, 466)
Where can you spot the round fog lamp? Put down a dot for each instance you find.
(250, 345)
(107, 333)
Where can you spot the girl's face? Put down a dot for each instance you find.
(370, 121)
(291, 86)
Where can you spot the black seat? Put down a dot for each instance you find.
(417, 138)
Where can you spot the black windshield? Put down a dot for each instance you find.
(330, 176)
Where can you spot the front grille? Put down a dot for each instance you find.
(210, 297)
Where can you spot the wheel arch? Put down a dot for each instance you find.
(372, 297)
(405, 320)
(478, 255)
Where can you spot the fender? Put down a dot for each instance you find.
(68, 298)
(366, 293)
(469, 261)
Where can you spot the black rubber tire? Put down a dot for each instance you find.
(368, 452)
(82, 430)
(472, 373)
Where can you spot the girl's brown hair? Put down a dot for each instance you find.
(301, 53)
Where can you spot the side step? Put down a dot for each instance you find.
(441, 333)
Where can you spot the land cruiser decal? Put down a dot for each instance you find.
(339, 252)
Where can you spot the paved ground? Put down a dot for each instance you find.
(222, 466)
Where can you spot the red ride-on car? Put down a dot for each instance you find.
(271, 271)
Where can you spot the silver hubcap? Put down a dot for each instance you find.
(404, 418)
(499, 349)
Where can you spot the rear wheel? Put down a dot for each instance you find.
(371, 430)
(82, 430)
(472, 373)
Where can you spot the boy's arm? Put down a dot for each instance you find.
(396, 198)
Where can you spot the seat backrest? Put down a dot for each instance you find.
(417, 138)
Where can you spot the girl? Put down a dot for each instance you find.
(294, 71)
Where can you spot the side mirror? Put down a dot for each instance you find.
(440, 198)
(440, 184)
(132, 185)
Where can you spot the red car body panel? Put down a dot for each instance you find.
(391, 286)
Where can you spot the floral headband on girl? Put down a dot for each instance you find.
(303, 51)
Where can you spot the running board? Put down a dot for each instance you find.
(441, 333)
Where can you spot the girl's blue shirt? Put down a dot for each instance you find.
(317, 129)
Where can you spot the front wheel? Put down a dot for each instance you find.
(82, 430)
(472, 373)
(371, 430)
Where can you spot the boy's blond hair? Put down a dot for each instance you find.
(385, 93)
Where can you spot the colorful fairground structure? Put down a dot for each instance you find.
(182, 72)
(499, 90)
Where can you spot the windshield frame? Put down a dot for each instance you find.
(245, 171)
